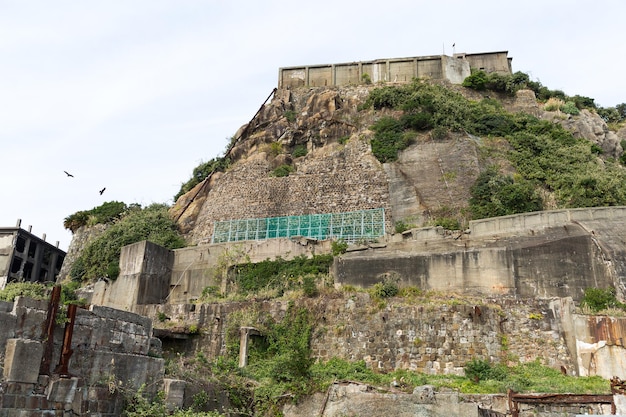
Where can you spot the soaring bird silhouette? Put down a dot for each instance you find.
(101, 191)
(68, 174)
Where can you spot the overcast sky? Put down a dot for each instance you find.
(131, 95)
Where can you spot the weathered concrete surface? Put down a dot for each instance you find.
(62, 390)
(189, 271)
(544, 254)
(556, 262)
(21, 362)
(600, 346)
(144, 276)
(452, 68)
(346, 398)
(353, 399)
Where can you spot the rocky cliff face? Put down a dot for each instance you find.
(80, 239)
(339, 173)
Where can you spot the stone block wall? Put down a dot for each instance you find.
(431, 337)
(348, 178)
(434, 340)
(111, 350)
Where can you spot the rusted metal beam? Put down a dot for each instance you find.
(66, 349)
(618, 386)
(562, 398)
(513, 408)
(48, 330)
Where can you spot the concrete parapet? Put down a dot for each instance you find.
(145, 270)
(397, 70)
(528, 223)
(31, 303)
(359, 399)
(120, 315)
(22, 360)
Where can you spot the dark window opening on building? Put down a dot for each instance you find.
(46, 257)
(32, 248)
(59, 262)
(28, 271)
(20, 245)
(43, 275)
(16, 265)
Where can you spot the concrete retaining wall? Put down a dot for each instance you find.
(556, 262)
(530, 223)
(424, 335)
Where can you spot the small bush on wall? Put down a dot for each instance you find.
(283, 171)
(299, 151)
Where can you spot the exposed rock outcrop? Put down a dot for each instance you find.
(431, 178)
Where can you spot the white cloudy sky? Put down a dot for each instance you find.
(131, 95)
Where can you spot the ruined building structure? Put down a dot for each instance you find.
(438, 67)
(26, 257)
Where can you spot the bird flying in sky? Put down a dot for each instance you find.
(68, 174)
(101, 191)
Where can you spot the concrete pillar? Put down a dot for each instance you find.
(22, 360)
(245, 333)
(174, 393)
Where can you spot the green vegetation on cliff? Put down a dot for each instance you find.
(106, 213)
(201, 172)
(101, 257)
(548, 159)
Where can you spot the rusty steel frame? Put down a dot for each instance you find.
(48, 331)
(515, 399)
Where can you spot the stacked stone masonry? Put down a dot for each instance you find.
(111, 350)
(421, 336)
(349, 179)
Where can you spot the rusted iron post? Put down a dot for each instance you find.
(513, 404)
(66, 349)
(48, 331)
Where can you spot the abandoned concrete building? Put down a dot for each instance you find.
(26, 257)
(438, 67)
